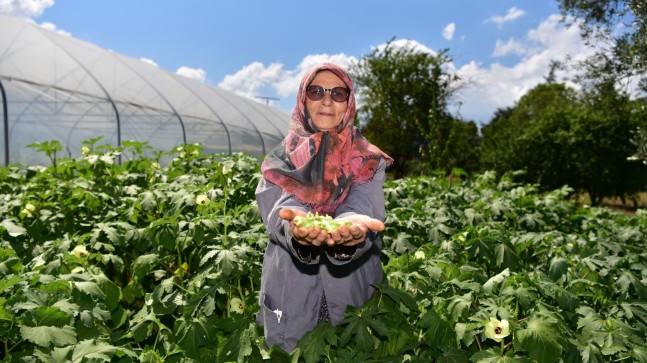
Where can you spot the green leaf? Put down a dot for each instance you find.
(46, 336)
(50, 316)
(91, 288)
(90, 349)
(558, 267)
(506, 256)
(315, 343)
(13, 229)
(452, 355)
(490, 356)
(111, 291)
(144, 264)
(56, 355)
(192, 335)
(541, 340)
(640, 354)
(628, 283)
(438, 332)
(148, 201)
(241, 339)
(401, 243)
(8, 282)
(591, 354)
(398, 296)
(227, 261)
(459, 305)
(495, 280)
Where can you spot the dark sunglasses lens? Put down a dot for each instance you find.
(315, 93)
(339, 94)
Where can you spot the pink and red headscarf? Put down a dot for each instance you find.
(319, 167)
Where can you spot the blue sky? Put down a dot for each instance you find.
(500, 49)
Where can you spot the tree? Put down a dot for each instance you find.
(404, 95)
(639, 135)
(560, 137)
(624, 23)
(515, 140)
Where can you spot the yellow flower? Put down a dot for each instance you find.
(29, 210)
(85, 150)
(497, 330)
(419, 255)
(202, 199)
(80, 251)
(236, 305)
(155, 165)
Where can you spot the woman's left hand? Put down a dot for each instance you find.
(356, 233)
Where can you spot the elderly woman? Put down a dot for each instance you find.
(326, 167)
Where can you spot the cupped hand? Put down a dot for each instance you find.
(306, 236)
(356, 233)
(345, 235)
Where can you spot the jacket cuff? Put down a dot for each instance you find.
(305, 254)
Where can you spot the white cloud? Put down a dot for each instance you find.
(413, 44)
(25, 8)
(511, 46)
(513, 13)
(487, 88)
(52, 27)
(193, 73)
(448, 31)
(251, 79)
(150, 61)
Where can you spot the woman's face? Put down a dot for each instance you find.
(326, 114)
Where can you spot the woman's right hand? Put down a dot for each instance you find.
(305, 236)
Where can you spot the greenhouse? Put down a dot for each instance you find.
(55, 87)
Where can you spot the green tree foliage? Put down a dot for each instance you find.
(639, 135)
(622, 21)
(403, 108)
(559, 137)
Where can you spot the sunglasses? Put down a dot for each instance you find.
(317, 93)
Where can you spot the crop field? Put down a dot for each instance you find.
(137, 262)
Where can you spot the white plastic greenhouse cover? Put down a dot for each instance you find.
(55, 87)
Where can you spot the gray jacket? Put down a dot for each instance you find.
(292, 286)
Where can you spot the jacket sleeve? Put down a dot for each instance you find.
(271, 199)
(367, 199)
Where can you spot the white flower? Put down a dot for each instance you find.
(236, 305)
(78, 270)
(80, 251)
(419, 255)
(85, 150)
(155, 165)
(202, 199)
(497, 330)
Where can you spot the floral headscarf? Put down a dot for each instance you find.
(319, 167)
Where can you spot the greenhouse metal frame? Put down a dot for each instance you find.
(55, 87)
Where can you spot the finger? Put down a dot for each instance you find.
(356, 231)
(336, 235)
(330, 242)
(375, 225)
(288, 213)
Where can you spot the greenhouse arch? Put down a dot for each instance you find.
(55, 87)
